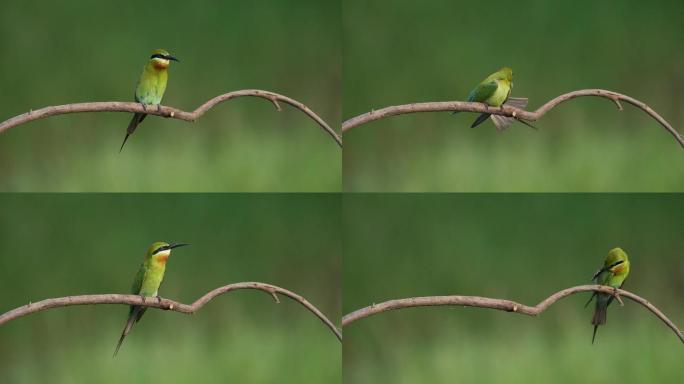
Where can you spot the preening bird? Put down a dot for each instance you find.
(613, 273)
(495, 91)
(147, 281)
(151, 86)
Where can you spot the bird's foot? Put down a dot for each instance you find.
(616, 295)
(158, 107)
(159, 299)
(143, 299)
(144, 106)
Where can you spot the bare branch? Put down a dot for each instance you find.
(506, 110)
(162, 303)
(117, 106)
(503, 305)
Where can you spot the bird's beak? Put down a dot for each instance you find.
(176, 245)
(173, 58)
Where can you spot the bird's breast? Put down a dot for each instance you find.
(499, 95)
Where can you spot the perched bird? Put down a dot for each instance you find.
(495, 91)
(151, 86)
(613, 273)
(147, 281)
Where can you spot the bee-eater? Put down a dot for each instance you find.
(613, 273)
(147, 281)
(151, 86)
(495, 91)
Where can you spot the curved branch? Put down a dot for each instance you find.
(165, 304)
(118, 106)
(506, 110)
(504, 305)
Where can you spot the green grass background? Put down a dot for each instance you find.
(517, 247)
(78, 51)
(60, 245)
(404, 51)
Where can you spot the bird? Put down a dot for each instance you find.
(613, 273)
(147, 282)
(495, 91)
(151, 86)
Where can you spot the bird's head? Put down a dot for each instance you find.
(160, 251)
(506, 74)
(161, 59)
(617, 261)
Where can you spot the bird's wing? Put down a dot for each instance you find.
(480, 119)
(135, 288)
(483, 91)
(137, 282)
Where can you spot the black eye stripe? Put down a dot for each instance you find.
(159, 56)
(162, 248)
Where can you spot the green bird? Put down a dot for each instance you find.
(495, 91)
(151, 86)
(147, 281)
(613, 274)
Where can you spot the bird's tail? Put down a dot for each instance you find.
(132, 318)
(593, 337)
(137, 119)
(503, 122)
(599, 315)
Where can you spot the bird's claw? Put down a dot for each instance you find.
(158, 107)
(143, 298)
(144, 107)
(159, 299)
(616, 295)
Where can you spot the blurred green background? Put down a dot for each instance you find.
(405, 51)
(76, 51)
(517, 247)
(59, 245)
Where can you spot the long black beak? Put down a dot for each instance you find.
(169, 57)
(176, 245)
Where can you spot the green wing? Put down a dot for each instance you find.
(483, 91)
(137, 282)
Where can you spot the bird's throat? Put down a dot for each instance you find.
(159, 66)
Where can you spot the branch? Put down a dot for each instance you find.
(506, 110)
(503, 305)
(165, 304)
(117, 106)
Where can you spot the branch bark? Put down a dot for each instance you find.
(117, 106)
(165, 304)
(503, 305)
(507, 111)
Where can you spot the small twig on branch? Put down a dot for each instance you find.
(165, 304)
(503, 305)
(117, 106)
(507, 110)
